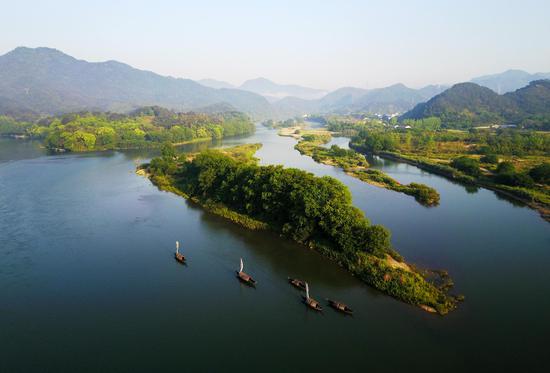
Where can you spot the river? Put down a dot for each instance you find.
(88, 281)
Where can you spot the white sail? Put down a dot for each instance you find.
(307, 291)
(242, 266)
(177, 246)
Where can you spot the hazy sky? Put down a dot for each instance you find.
(325, 44)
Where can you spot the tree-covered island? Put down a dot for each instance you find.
(314, 211)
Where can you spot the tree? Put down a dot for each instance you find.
(541, 173)
(167, 150)
(506, 167)
(467, 165)
(490, 158)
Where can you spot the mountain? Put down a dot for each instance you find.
(341, 98)
(48, 81)
(213, 83)
(469, 104)
(274, 91)
(508, 81)
(387, 100)
(289, 107)
(396, 98)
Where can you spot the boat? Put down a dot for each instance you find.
(339, 306)
(179, 257)
(244, 277)
(310, 302)
(297, 283)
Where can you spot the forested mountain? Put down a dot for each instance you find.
(274, 91)
(48, 81)
(468, 104)
(509, 80)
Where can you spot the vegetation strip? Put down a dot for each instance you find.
(355, 165)
(314, 211)
(147, 127)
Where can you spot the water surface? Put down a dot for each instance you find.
(89, 283)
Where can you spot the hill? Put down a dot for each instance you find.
(48, 81)
(468, 104)
(217, 84)
(509, 80)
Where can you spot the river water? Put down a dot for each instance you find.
(88, 281)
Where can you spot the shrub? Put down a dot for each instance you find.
(490, 158)
(467, 165)
(541, 173)
(514, 179)
(506, 168)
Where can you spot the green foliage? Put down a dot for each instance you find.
(467, 165)
(489, 158)
(514, 179)
(506, 167)
(467, 105)
(10, 126)
(424, 124)
(355, 164)
(146, 127)
(424, 194)
(541, 173)
(303, 207)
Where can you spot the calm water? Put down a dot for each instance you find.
(88, 281)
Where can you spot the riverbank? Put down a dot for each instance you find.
(536, 201)
(355, 165)
(383, 268)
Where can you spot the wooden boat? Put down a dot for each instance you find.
(244, 277)
(179, 257)
(341, 307)
(310, 302)
(297, 283)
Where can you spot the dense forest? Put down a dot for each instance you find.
(145, 127)
(315, 211)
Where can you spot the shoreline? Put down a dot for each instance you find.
(544, 211)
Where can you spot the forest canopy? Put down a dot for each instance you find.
(145, 127)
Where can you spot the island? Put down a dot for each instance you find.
(315, 212)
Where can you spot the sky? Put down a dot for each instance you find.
(321, 44)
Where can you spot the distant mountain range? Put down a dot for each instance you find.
(469, 104)
(47, 81)
(509, 81)
(393, 99)
(269, 89)
(274, 91)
